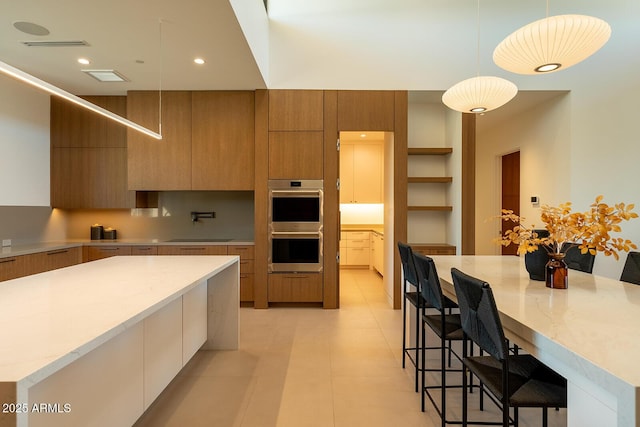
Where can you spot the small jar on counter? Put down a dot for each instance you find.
(97, 232)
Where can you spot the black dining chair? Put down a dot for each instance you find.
(410, 295)
(575, 259)
(631, 270)
(447, 327)
(514, 380)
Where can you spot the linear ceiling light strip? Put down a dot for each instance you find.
(54, 90)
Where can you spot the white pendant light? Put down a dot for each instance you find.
(551, 44)
(481, 93)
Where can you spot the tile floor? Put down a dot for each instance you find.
(302, 367)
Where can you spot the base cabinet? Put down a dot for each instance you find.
(295, 287)
(354, 248)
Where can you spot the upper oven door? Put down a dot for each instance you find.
(295, 208)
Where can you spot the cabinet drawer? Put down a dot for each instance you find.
(144, 250)
(360, 243)
(357, 256)
(246, 266)
(11, 268)
(244, 251)
(357, 235)
(62, 258)
(300, 287)
(246, 287)
(99, 252)
(192, 250)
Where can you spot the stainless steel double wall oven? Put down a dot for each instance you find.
(295, 225)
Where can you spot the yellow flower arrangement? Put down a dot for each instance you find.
(588, 230)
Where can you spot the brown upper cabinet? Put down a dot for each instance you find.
(160, 164)
(366, 110)
(295, 155)
(222, 146)
(296, 110)
(89, 156)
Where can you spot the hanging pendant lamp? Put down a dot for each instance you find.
(481, 93)
(551, 44)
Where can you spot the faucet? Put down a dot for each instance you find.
(195, 216)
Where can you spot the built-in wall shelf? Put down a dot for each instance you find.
(430, 208)
(430, 179)
(430, 151)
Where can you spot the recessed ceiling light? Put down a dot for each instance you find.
(106, 75)
(363, 135)
(84, 61)
(199, 61)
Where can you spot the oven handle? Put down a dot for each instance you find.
(296, 192)
(294, 234)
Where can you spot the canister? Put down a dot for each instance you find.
(110, 234)
(97, 232)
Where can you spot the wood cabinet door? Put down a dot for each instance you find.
(295, 155)
(99, 252)
(160, 164)
(90, 178)
(368, 110)
(222, 147)
(74, 126)
(292, 110)
(295, 287)
(346, 173)
(89, 156)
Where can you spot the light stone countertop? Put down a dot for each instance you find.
(48, 320)
(27, 249)
(588, 333)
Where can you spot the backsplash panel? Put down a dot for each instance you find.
(172, 219)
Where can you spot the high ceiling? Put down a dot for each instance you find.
(417, 45)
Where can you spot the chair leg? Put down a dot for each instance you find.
(404, 329)
(545, 419)
(515, 417)
(417, 343)
(464, 385)
(423, 353)
(443, 381)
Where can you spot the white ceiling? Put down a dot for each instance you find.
(417, 45)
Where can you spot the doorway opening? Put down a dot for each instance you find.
(510, 193)
(366, 203)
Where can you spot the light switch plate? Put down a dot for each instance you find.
(6, 242)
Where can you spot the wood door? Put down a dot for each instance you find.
(222, 156)
(510, 193)
(366, 110)
(346, 173)
(165, 164)
(295, 155)
(291, 110)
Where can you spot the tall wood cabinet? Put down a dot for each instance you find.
(222, 145)
(160, 164)
(89, 156)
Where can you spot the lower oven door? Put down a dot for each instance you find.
(295, 251)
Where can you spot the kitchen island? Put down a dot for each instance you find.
(96, 343)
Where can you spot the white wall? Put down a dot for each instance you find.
(24, 145)
(542, 136)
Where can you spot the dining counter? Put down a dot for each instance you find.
(95, 343)
(588, 333)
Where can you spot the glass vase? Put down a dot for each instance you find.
(557, 272)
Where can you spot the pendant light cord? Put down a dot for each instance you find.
(160, 80)
(478, 41)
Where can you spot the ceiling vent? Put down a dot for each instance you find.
(56, 43)
(106, 75)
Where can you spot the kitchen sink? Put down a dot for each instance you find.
(202, 240)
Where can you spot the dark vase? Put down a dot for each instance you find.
(536, 261)
(557, 272)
